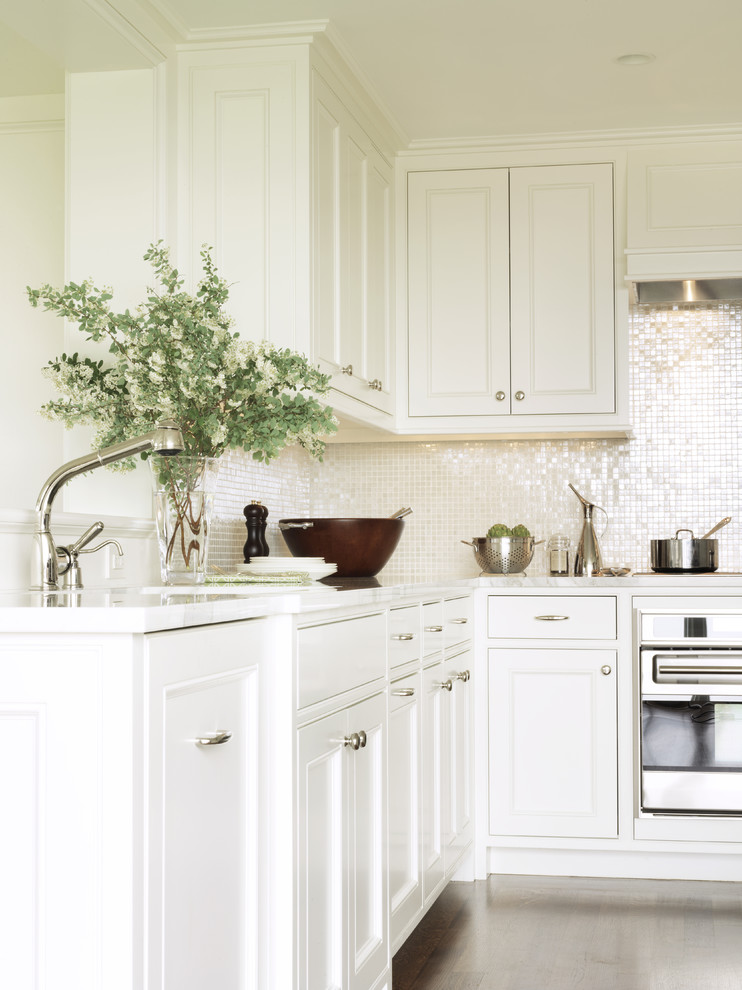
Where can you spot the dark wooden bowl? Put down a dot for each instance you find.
(359, 546)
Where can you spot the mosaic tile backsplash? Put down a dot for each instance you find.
(681, 468)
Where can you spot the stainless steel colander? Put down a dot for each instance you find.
(504, 554)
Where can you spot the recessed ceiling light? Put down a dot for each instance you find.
(635, 58)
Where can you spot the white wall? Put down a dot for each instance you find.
(82, 181)
(114, 209)
(31, 252)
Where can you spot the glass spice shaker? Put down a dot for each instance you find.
(558, 548)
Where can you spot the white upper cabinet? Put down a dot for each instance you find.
(238, 189)
(352, 257)
(285, 168)
(562, 322)
(511, 299)
(685, 211)
(459, 293)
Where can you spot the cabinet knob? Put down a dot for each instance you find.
(347, 370)
(445, 685)
(364, 739)
(376, 385)
(520, 396)
(403, 693)
(463, 675)
(213, 738)
(500, 396)
(605, 669)
(403, 637)
(353, 740)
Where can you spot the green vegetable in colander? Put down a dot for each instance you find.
(498, 530)
(521, 530)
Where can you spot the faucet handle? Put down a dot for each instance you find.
(72, 575)
(87, 536)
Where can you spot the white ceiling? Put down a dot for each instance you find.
(444, 68)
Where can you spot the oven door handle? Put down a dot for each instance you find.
(664, 669)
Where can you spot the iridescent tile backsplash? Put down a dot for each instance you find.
(680, 469)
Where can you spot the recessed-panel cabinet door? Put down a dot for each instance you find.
(457, 825)
(562, 302)
(552, 718)
(433, 756)
(352, 257)
(322, 854)
(459, 360)
(210, 834)
(368, 933)
(405, 877)
(205, 802)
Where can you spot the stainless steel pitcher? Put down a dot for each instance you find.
(588, 560)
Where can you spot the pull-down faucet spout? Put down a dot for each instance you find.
(166, 438)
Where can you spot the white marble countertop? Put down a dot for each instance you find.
(136, 610)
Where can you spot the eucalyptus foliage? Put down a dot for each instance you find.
(177, 357)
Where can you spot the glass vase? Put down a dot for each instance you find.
(184, 487)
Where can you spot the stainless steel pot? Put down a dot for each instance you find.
(687, 554)
(684, 554)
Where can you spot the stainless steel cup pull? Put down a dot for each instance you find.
(403, 637)
(551, 618)
(434, 629)
(403, 693)
(459, 622)
(213, 738)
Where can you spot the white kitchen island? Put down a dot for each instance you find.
(243, 789)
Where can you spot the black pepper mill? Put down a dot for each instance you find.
(255, 522)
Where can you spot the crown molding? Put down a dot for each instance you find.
(574, 139)
(340, 50)
(177, 29)
(126, 30)
(290, 33)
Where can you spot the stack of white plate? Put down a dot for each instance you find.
(315, 567)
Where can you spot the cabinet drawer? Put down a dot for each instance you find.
(551, 617)
(404, 635)
(337, 656)
(432, 628)
(458, 621)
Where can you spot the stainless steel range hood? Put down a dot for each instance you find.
(687, 291)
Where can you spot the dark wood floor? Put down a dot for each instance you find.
(554, 933)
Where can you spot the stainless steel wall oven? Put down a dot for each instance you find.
(691, 714)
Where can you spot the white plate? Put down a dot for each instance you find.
(283, 563)
(314, 571)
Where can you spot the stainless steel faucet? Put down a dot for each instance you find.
(166, 438)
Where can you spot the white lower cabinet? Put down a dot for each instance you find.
(433, 772)
(342, 889)
(405, 791)
(131, 858)
(553, 748)
(203, 770)
(458, 736)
